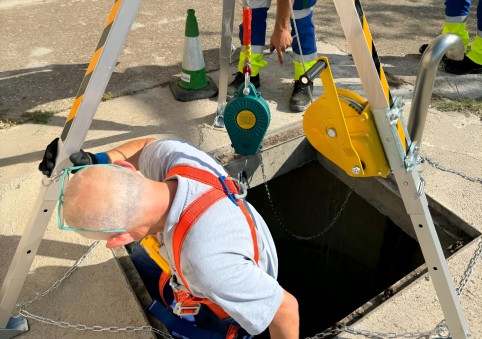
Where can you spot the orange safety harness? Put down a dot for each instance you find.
(222, 187)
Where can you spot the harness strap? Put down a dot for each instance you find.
(200, 175)
(232, 332)
(163, 280)
(187, 303)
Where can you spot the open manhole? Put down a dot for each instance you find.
(338, 269)
(336, 266)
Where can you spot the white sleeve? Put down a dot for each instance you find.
(217, 264)
(157, 158)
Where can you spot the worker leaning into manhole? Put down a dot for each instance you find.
(219, 250)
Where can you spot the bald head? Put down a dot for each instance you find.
(103, 198)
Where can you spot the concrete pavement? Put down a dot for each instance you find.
(47, 46)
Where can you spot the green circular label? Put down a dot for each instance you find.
(246, 119)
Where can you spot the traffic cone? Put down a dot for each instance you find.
(194, 84)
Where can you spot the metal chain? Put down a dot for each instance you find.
(470, 267)
(327, 333)
(61, 280)
(280, 222)
(450, 170)
(441, 329)
(81, 327)
(370, 334)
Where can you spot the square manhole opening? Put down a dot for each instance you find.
(336, 251)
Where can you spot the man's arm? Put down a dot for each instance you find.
(286, 321)
(129, 151)
(281, 38)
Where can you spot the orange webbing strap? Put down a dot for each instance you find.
(251, 228)
(232, 332)
(162, 283)
(200, 175)
(191, 215)
(188, 218)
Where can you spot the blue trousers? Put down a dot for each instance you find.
(150, 273)
(454, 8)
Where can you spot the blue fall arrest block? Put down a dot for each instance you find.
(246, 118)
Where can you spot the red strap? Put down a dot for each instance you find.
(191, 215)
(232, 332)
(162, 283)
(200, 175)
(247, 17)
(188, 218)
(252, 229)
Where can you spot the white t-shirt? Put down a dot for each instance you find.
(217, 257)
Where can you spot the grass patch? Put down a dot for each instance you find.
(394, 81)
(465, 105)
(38, 117)
(108, 96)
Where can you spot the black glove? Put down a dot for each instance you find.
(48, 161)
(82, 158)
(78, 159)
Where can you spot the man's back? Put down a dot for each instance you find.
(217, 257)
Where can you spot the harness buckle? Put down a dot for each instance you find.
(181, 310)
(242, 189)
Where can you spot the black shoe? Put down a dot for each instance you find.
(422, 48)
(238, 80)
(300, 99)
(464, 66)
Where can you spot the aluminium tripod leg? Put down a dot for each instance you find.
(395, 139)
(93, 85)
(224, 59)
(411, 187)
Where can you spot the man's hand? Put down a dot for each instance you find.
(82, 158)
(280, 40)
(48, 162)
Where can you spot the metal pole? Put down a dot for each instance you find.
(97, 76)
(224, 59)
(389, 121)
(422, 93)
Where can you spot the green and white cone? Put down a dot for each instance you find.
(194, 84)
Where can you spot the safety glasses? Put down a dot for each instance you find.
(60, 211)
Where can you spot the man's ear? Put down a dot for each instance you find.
(119, 240)
(126, 164)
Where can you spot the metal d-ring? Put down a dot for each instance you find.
(243, 189)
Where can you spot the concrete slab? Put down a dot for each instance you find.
(47, 49)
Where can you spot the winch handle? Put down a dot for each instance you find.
(313, 73)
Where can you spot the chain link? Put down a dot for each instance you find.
(280, 222)
(450, 170)
(470, 267)
(370, 334)
(440, 330)
(61, 280)
(81, 327)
